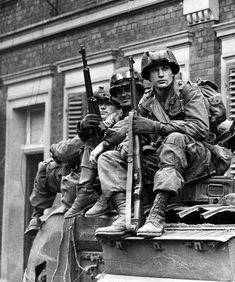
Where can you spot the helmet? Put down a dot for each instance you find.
(152, 58)
(102, 94)
(122, 77)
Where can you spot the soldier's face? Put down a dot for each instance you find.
(161, 76)
(106, 109)
(123, 95)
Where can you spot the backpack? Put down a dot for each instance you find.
(213, 100)
(214, 103)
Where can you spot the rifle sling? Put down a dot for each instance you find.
(130, 166)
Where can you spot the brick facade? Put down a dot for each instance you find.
(20, 14)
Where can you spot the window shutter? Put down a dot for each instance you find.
(232, 93)
(75, 112)
(231, 106)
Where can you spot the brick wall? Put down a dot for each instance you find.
(122, 30)
(22, 13)
(205, 54)
(135, 26)
(227, 10)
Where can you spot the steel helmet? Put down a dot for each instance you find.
(103, 94)
(152, 58)
(122, 77)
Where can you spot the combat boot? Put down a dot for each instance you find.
(118, 227)
(100, 207)
(155, 222)
(86, 197)
(35, 223)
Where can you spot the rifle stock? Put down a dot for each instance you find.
(134, 170)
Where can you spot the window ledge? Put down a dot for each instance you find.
(32, 149)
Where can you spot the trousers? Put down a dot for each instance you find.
(180, 158)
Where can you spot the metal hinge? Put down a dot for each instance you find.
(157, 245)
(198, 246)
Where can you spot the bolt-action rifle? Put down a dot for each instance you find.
(93, 107)
(134, 186)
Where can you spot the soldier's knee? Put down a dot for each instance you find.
(106, 159)
(103, 158)
(176, 138)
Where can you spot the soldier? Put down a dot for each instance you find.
(174, 115)
(120, 90)
(52, 177)
(120, 94)
(60, 174)
(110, 112)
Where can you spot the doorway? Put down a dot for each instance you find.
(32, 161)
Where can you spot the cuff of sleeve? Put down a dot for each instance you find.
(157, 127)
(79, 128)
(106, 145)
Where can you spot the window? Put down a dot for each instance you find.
(226, 33)
(34, 141)
(231, 102)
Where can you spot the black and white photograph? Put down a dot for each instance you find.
(117, 140)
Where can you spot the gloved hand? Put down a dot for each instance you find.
(90, 121)
(143, 125)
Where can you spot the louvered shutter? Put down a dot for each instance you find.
(231, 105)
(232, 93)
(75, 112)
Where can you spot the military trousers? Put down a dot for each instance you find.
(88, 173)
(46, 184)
(179, 158)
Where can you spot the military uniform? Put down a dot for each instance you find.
(179, 125)
(55, 175)
(120, 92)
(86, 195)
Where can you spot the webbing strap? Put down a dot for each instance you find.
(67, 245)
(62, 267)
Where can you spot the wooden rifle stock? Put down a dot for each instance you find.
(134, 170)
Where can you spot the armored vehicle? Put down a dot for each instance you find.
(198, 243)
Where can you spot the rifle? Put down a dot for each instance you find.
(93, 106)
(92, 101)
(134, 184)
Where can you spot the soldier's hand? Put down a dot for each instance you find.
(143, 125)
(90, 121)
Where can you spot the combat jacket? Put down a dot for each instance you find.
(183, 111)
